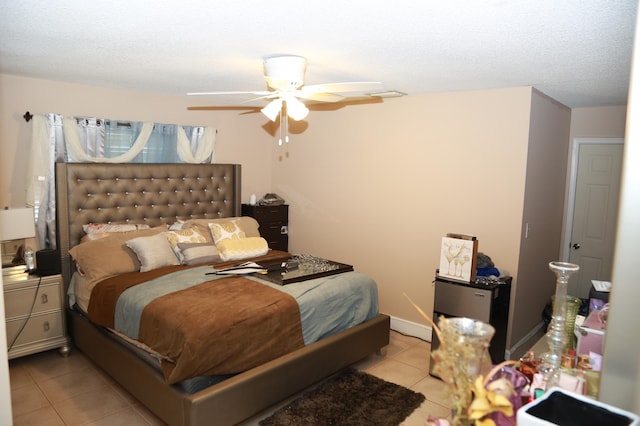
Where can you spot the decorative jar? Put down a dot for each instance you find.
(462, 356)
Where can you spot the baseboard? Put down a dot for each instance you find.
(526, 340)
(423, 332)
(409, 328)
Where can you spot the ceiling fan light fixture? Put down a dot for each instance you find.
(272, 109)
(296, 109)
(286, 68)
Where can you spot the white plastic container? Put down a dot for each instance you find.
(563, 408)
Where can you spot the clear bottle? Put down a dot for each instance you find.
(29, 260)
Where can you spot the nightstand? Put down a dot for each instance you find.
(273, 221)
(34, 312)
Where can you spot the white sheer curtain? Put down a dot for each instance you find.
(55, 138)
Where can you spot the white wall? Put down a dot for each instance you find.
(620, 384)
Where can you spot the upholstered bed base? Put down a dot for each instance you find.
(162, 193)
(239, 397)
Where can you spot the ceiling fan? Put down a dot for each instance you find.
(284, 75)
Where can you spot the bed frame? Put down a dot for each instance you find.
(162, 193)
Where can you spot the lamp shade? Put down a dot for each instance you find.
(272, 109)
(17, 224)
(296, 109)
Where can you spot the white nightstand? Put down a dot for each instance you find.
(34, 312)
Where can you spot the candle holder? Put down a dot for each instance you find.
(557, 335)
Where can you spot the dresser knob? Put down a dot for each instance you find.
(44, 298)
(45, 326)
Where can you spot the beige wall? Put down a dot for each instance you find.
(241, 138)
(542, 214)
(374, 185)
(598, 122)
(379, 185)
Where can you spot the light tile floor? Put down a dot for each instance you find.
(47, 389)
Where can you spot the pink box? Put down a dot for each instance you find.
(591, 334)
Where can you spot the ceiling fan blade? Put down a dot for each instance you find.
(355, 86)
(271, 95)
(258, 93)
(318, 96)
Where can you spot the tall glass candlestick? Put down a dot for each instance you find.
(557, 334)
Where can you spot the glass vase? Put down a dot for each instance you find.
(462, 356)
(557, 335)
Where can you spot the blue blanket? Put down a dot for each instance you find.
(327, 305)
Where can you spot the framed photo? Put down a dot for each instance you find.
(458, 257)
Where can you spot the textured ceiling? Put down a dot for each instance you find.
(576, 51)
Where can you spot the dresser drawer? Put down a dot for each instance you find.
(39, 327)
(265, 214)
(18, 302)
(461, 301)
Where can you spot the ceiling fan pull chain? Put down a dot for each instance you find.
(281, 121)
(286, 128)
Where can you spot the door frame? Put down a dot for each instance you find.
(570, 199)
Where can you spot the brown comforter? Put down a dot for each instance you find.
(219, 327)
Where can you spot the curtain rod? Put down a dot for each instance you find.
(28, 116)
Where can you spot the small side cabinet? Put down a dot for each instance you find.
(34, 315)
(273, 221)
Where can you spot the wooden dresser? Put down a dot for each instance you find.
(34, 314)
(274, 223)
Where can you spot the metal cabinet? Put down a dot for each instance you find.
(486, 302)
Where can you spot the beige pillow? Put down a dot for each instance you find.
(226, 231)
(248, 224)
(199, 254)
(189, 235)
(106, 257)
(243, 248)
(153, 252)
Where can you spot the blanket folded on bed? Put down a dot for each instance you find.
(104, 296)
(240, 323)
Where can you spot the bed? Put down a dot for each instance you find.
(157, 194)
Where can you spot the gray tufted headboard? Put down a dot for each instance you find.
(142, 193)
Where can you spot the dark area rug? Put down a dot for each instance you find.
(350, 398)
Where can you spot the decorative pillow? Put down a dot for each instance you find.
(153, 252)
(96, 228)
(109, 256)
(190, 235)
(248, 224)
(95, 231)
(226, 231)
(236, 249)
(177, 225)
(198, 254)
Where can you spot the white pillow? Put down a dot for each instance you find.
(153, 252)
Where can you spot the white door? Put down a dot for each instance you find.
(595, 212)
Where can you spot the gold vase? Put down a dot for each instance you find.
(462, 356)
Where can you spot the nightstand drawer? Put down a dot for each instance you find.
(39, 327)
(18, 302)
(267, 213)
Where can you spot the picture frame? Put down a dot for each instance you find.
(458, 257)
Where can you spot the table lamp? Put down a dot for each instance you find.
(17, 224)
